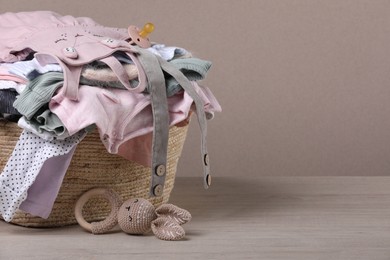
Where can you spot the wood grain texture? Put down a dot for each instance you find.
(258, 218)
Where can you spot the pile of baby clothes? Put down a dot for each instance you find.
(61, 77)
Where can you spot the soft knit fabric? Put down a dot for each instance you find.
(7, 97)
(38, 93)
(104, 76)
(47, 126)
(194, 69)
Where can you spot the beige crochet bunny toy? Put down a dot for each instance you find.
(135, 216)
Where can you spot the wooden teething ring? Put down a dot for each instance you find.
(108, 223)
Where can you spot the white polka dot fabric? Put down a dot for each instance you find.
(24, 165)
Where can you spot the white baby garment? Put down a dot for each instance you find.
(24, 165)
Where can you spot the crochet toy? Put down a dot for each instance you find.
(135, 216)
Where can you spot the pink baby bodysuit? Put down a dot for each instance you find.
(21, 33)
(121, 115)
(111, 110)
(71, 42)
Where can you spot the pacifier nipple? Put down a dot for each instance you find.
(148, 29)
(140, 37)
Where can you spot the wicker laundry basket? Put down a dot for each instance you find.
(92, 166)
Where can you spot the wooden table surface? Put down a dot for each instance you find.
(262, 218)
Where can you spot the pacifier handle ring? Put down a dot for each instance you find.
(105, 225)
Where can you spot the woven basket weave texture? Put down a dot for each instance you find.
(92, 166)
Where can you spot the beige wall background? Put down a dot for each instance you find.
(304, 84)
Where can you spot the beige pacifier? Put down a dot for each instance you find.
(135, 216)
(140, 37)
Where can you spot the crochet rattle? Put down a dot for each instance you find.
(135, 216)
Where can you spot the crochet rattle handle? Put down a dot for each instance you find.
(105, 225)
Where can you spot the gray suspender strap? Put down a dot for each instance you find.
(200, 113)
(153, 67)
(157, 89)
